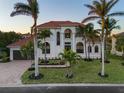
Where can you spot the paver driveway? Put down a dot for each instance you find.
(10, 73)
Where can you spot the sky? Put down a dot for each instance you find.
(50, 10)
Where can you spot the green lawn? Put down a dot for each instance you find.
(84, 72)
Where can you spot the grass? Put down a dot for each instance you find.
(84, 72)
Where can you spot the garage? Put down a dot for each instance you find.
(17, 55)
(15, 47)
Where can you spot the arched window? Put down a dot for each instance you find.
(46, 48)
(96, 49)
(68, 33)
(58, 38)
(89, 49)
(80, 48)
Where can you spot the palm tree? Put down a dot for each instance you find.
(81, 30)
(43, 34)
(100, 10)
(89, 35)
(111, 24)
(92, 36)
(29, 9)
(69, 56)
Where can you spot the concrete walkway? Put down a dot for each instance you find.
(10, 73)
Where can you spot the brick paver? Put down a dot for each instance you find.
(10, 73)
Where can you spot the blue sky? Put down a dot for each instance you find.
(72, 10)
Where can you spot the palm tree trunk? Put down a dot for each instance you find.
(85, 47)
(35, 49)
(103, 44)
(45, 52)
(106, 48)
(88, 51)
(103, 60)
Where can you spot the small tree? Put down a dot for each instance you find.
(27, 50)
(43, 34)
(69, 56)
(110, 25)
(89, 35)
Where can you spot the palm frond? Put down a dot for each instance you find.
(116, 14)
(93, 12)
(34, 7)
(90, 18)
(20, 12)
(22, 6)
(96, 3)
(89, 6)
(111, 4)
(115, 27)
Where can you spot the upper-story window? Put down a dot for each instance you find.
(58, 39)
(68, 33)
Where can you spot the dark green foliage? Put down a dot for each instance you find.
(4, 57)
(7, 38)
(27, 50)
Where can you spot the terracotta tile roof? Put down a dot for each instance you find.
(58, 24)
(20, 42)
(51, 24)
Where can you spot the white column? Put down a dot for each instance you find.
(73, 42)
(11, 54)
(62, 42)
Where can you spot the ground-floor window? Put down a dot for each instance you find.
(80, 47)
(96, 49)
(46, 48)
(89, 49)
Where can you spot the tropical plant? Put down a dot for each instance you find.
(81, 30)
(43, 34)
(92, 36)
(4, 57)
(69, 56)
(27, 50)
(100, 10)
(29, 9)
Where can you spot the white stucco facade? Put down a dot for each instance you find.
(114, 51)
(64, 36)
(73, 40)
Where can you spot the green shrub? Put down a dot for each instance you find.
(4, 57)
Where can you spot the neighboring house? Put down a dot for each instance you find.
(114, 51)
(64, 36)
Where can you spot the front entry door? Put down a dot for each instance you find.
(67, 45)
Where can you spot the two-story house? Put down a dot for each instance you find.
(64, 36)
